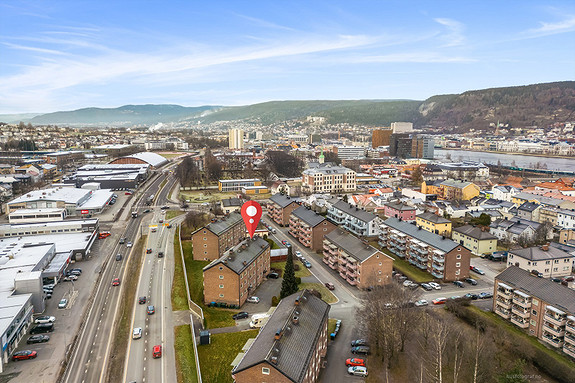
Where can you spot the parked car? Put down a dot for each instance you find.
(471, 281)
(435, 285)
(364, 350)
(485, 295)
(358, 342)
(23, 355)
(116, 282)
(439, 301)
(42, 328)
(118, 257)
(421, 302)
(273, 275)
(38, 339)
(137, 333)
(355, 362)
(357, 371)
(455, 297)
(240, 315)
(76, 271)
(142, 300)
(70, 278)
(151, 310)
(476, 270)
(426, 286)
(284, 242)
(407, 283)
(147, 211)
(298, 254)
(253, 300)
(45, 319)
(458, 284)
(169, 226)
(329, 286)
(471, 296)
(307, 264)
(63, 303)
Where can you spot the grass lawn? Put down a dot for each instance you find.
(408, 270)
(214, 317)
(272, 243)
(302, 272)
(179, 296)
(216, 357)
(185, 359)
(173, 213)
(326, 295)
(170, 155)
(331, 325)
(201, 196)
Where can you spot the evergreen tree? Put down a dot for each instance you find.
(289, 284)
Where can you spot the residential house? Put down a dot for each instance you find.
(434, 223)
(358, 222)
(438, 255)
(432, 187)
(543, 308)
(328, 178)
(280, 187)
(566, 218)
(477, 239)
(503, 192)
(358, 263)
(292, 345)
(545, 261)
(529, 211)
(309, 228)
(400, 210)
(280, 208)
(548, 214)
(566, 235)
(233, 277)
(211, 241)
(230, 205)
(510, 230)
(458, 190)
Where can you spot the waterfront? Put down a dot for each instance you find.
(519, 160)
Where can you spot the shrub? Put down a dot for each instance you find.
(275, 301)
(298, 280)
(296, 267)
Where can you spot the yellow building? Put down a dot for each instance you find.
(431, 187)
(478, 240)
(459, 190)
(237, 185)
(433, 223)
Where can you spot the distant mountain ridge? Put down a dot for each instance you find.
(538, 104)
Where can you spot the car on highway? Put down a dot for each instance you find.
(421, 302)
(63, 303)
(485, 295)
(142, 300)
(459, 284)
(439, 301)
(45, 319)
(122, 241)
(364, 350)
(147, 211)
(151, 310)
(118, 257)
(137, 333)
(160, 254)
(330, 286)
(161, 220)
(240, 315)
(435, 285)
(307, 264)
(165, 207)
(38, 339)
(23, 355)
(148, 251)
(116, 282)
(129, 244)
(157, 351)
(253, 300)
(357, 371)
(476, 270)
(42, 328)
(273, 275)
(358, 342)
(471, 281)
(355, 362)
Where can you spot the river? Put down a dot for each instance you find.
(523, 161)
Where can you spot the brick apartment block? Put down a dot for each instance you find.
(280, 208)
(211, 241)
(308, 227)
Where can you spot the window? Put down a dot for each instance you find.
(380, 263)
(534, 312)
(221, 277)
(265, 371)
(221, 295)
(221, 268)
(458, 264)
(205, 245)
(458, 256)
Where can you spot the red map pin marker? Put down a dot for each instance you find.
(251, 213)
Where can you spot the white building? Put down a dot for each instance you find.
(355, 220)
(566, 219)
(504, 192)
(545, 261)
(328, 178)
(349, 152)
(236, 139)
(402, 127)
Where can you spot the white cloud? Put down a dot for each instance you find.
(546, 29)
(412, 57)
(455, 35)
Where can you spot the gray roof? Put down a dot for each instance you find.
(431, 239)
(151, 158)
(308, 216)
(475, 232)
(553, 293)
(362, 215)
(227, 202)
(224, 224)
(428, 216)
(281, 200)
(298, 342)
(241, 258)
(399, 206)
(456, 183)
(351, 244)
(542, 200)
(529, 206)
(514, 225)
(536, 253)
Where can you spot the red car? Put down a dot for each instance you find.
(116, 282)
(439, 301)
(355, 362)
(104, 234)
(23, 355)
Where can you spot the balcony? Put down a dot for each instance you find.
(522, 302)
(556, 331)
(437, 274)
(569, 351)
(438, 267)
(352, 281)
(556, 320)
(438, 259)
(351, 273)
(505, 303)
(570, 327)
(570, 338)
(519, 322)
(504, 293)
(555, 342)
(341, 268)
(502, 312)
(352, 266)
(520, 311)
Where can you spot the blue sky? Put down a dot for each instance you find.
(62, 55)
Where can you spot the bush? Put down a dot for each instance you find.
(298, 280)
(316, 293)
(275, 301)
(296, 267)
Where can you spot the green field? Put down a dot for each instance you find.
(179, 295)
(216, 357)
(202, 196)
(173, 214)
(302, 272)
(410, 271)
(185, 359)
(326, 295)
(331, 325)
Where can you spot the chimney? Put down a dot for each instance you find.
(278, 334)
(296, 303)
(545, 247)
(295, 319)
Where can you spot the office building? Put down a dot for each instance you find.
(236, 139)
(381, 137)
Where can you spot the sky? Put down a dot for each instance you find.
(64, 55)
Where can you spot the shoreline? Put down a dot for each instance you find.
(513, 153)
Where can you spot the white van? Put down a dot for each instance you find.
(258, 320)
(137, 333)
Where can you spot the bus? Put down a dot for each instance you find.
(150, 199)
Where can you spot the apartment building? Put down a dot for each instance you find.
(543, 308)
(545, 261)
(399, 210)
(358, 263)
(349, 152)
(233, 277)
(292, 345)
(512, 229)
(236, 139)
(503, 192)
(459, 190)
(566, 218)
(529, 211)
(237, 185)
(477, 239)
(211, 241)
(434, 223)
(355, 220)
(549, 214)
(328, 178)
(280, 208)
(308, 227)
(436, 254)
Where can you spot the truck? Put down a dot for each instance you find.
(258, 320)
(134, 214)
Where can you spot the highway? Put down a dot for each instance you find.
(90, 354)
